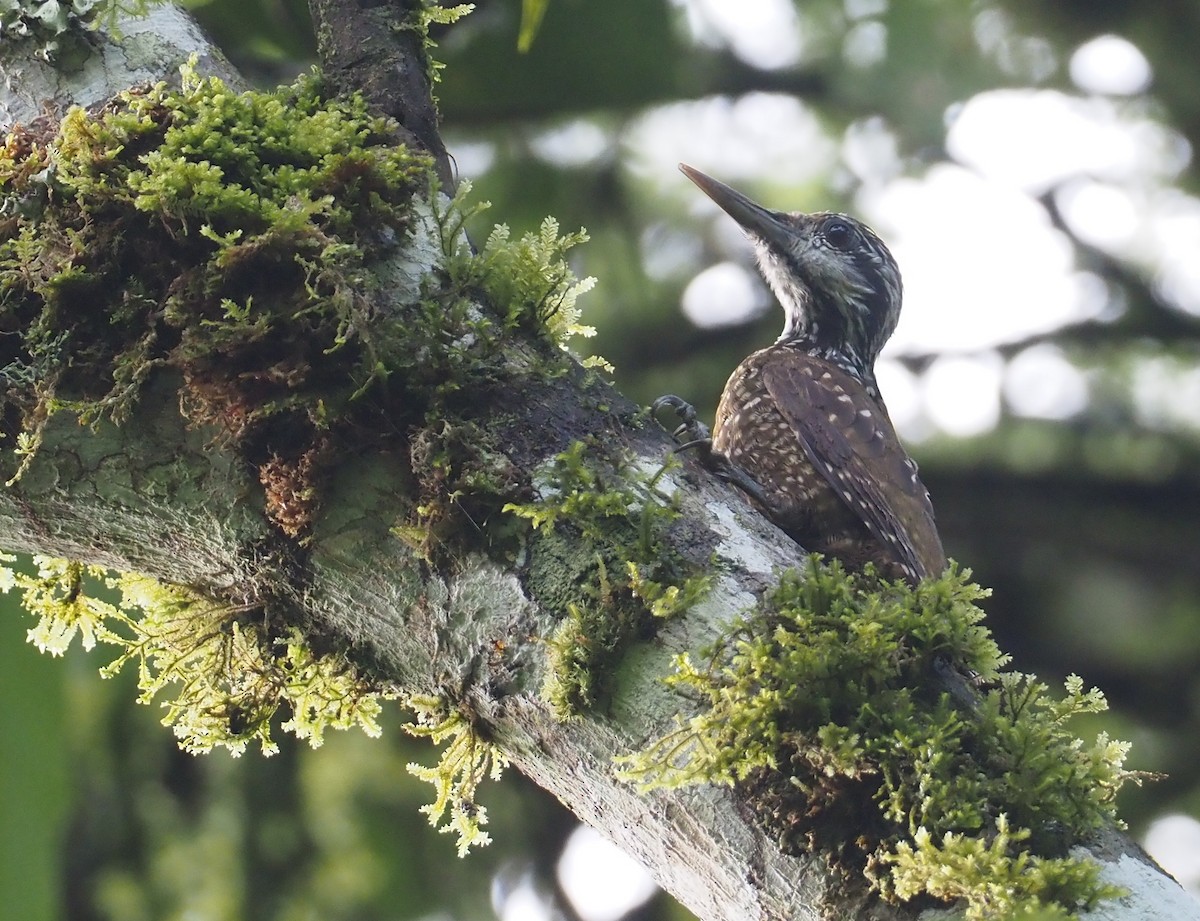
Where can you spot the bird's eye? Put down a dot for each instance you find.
(838, 233)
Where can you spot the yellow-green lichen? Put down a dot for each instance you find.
(222, 673)
(465, 762)
(599, 561)
(830, 707)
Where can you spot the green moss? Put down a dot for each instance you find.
(463, 479)
(465, 762)
(826, 705)
(528, 279)
(224, 235)
(996, 875)
(222, 673)
(429, 13)
(233, 238)
(600, 562)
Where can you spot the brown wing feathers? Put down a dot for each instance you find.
(850, 440)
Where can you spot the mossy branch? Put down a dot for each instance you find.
(205, 231)
(824, 707)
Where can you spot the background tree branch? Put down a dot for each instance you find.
(374, 48)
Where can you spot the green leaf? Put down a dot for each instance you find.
(532, 12)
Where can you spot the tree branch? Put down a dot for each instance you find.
(182, 501)
(377, 48)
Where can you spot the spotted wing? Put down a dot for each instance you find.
(850, 439)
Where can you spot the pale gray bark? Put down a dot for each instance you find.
(156, 497)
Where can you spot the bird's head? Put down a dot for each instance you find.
(837, 281)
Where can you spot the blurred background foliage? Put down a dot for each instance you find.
(1032, 165)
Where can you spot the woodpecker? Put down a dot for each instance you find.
(801, 426)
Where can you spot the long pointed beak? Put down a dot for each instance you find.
(763, 223)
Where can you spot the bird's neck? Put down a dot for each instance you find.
(836, 354)
(832, 332)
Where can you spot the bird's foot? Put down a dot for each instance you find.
(692, 434)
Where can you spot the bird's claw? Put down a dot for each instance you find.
(691, 432)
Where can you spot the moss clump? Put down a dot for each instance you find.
(223, 235)
(826, 705)
(462, 479)
(233, 238)
(601, 563)
(223, 672)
